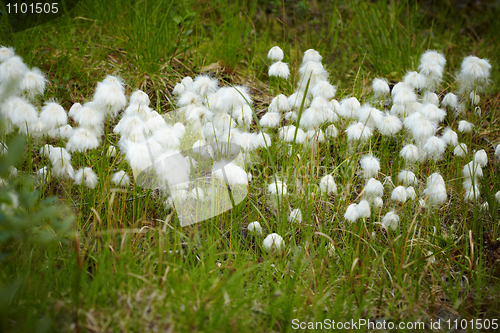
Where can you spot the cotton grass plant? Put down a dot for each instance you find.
(382, 198)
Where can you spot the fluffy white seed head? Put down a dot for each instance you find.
(431, 98)
(450, 100)
(410, 153)
(358, 132)
(255, 227)
(323, 89)
(351, 213)
(390, 125)
(481, 158)
(373, 188)
(295, 216)
(370, 165)
(120, 178)
(472, 170)
(280, 104)
(327, 185)
(273, 242)
(415, 80)
(311, 55)
(410, 193)
(53, 115)
(435, 148)
(464, 126)
(277, 188)
(82, 140)
(275, 54)
(87, 177)
(271, 120)
(204, 85)
(450, 137)
(279, 69)
(474, 74)
(407, 177)
(399, 194)
(380, 87)
(33, 82)
(363, 209)
(460, 150)
(390, 220)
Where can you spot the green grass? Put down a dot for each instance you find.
(128, 265)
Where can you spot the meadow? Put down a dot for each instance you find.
(239, 166)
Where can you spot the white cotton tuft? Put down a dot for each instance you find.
(295, 216)
(273, 242)
(331, 131)
(351, 213)
(279, 69)
(22, 113)
(415, 80)
(450, 137)
(423, 130)
(280, 104)
(380, 87)
(327, 185)
(270, 120)
(120, 178)
(369, 116)
(407, 177)
(323, 89)
(450, 100)
(481, 158)
(12, 70)
(87, 177)
(373, 189)
(275, 54)
(139, 97)
(399, 194)
(410, 193)
(390, 220)
(390, 125)
(370, 165)
(287, 133)
(404, 95)
(231, 173)
(109, 96)
(277, 188)
(53, 115)
(435, 148)
(464, 126)
(378, 203)
(33, 83)
(363, 209)
(43, 175)
(6, 53)
(358, 132)
(82, 140)
(89, 116)
(255, 227)
(435, 190)
(472, 169)
(204, 85)
(348, 107)
(432, 112)
(311, 55)
(460, 150)
(430, 98)
(474, 73)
